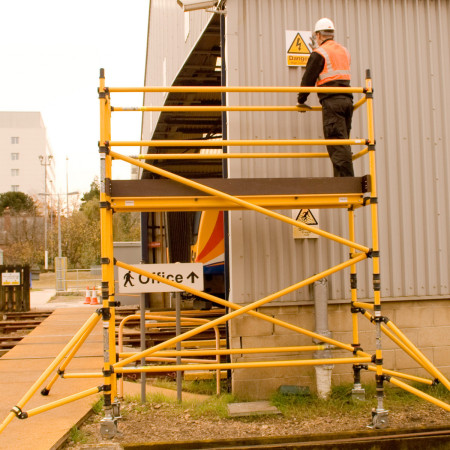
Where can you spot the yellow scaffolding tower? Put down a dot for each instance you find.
(191, 195)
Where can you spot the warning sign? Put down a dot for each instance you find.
(298, 47)
(309, 217)
(10, 278)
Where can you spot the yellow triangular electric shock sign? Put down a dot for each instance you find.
(298, 46)
(306, 216)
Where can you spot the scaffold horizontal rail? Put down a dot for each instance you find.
(186, 109)
(235, 142)
(156, 204)
(245, 365)
(287, 89)
(194, 156)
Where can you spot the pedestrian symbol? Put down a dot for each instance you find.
(128, 277)
(306, 216)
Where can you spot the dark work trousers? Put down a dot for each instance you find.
(337, 112)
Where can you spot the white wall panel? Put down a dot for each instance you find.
(167, 49)
(405, 44)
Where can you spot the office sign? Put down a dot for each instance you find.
(189, 274)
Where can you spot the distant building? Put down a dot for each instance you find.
(26, 160)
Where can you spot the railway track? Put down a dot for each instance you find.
(437, 438)
(14, 326)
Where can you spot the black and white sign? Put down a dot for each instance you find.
(189, 274)
(308, 217)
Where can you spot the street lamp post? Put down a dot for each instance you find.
(45, 161)
(67, 184)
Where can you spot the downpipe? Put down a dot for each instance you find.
(319, 292)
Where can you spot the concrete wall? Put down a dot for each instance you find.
(425, 323)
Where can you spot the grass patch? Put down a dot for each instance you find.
(341, 402)
(97, 407)
(214, 407)
(203, 387)
(77, 436)
(293, 406)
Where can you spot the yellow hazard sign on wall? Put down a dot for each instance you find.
(308, 217)
(298, 47)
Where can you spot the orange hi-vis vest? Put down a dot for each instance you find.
(337, 62)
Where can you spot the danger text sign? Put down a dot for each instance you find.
(298, 47)
(188, 274)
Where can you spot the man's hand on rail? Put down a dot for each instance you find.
(304, 107)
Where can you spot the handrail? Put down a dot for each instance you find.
(235, 142)
(170, 321)
(192, 89)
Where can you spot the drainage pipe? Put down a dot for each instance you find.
(323, 372)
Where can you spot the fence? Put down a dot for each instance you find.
(15, 288)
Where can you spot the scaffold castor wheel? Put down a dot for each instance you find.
(108, 427)
(116, 410)
(379, 419)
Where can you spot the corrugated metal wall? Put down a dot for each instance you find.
(405, 44)
(173, 34)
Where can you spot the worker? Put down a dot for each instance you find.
(329, 66)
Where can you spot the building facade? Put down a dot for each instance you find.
(27, 163)
(403, 45)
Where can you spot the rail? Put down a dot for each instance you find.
(167, 321)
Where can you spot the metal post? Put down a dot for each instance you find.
(45, 218)
(143, 347)
(45, 161)
(67, 185)
(144, 260)
(178, 344)
(59, 228)
(323, 372)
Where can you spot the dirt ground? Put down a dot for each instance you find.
(163, 421)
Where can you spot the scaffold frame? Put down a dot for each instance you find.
(117, 362)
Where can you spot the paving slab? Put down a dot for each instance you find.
(22, 366)
(252, 409)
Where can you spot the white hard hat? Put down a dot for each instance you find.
(324, 24)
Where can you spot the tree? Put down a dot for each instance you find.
(81, 233)
(127, 227)
(17, 202)
(80, 240)
(93, 194)
(21, 230)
